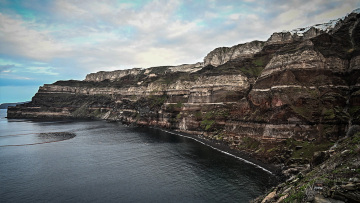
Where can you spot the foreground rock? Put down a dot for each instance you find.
(337, 179)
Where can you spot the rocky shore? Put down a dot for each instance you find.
(333, 176)
(224, 148)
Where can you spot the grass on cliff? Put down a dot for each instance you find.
(249, 143)
(159, 70)
(82, 111)
(253, 71)
(207, 124)
(208, 120)
(307, 149)
(320, 106)
(256, 66)
(340, 168)
(175, 107)
(155, 101)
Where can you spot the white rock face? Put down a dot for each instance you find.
(190, 68)
(199, 88)
(307, 59)
(117, 74)
(111, 75)
(222, 55)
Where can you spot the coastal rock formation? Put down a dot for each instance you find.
(332, 176)
(222, 55)
(285, 88)
(103, 75)
(279, 100)
(149, 72)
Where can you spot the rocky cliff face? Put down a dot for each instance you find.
(333, 176)
(257, 97)
(103, 75)
(136, 72)
(222, 55)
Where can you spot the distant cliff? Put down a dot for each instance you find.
(279, 100)
(6, 105)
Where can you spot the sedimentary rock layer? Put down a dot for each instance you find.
(250, 96)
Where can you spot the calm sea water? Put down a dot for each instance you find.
(96, 161)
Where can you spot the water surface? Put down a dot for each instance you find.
(96, 161)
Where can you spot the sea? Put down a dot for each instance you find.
(99, 161)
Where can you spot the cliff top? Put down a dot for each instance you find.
(222, 55)
(325, 27)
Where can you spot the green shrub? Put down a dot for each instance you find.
(207, 124)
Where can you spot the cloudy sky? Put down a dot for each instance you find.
(42, 41)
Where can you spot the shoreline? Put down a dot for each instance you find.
(225, 149)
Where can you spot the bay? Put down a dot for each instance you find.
(97, 161)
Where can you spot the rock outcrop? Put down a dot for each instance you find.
(332, 176)
(222, 55)
(112, 75)
(135, 72)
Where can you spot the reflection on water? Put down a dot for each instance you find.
(108, 162)
(34, 138)
(55, 136)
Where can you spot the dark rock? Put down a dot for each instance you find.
(319, 157)
(298, 147)
(353, 130)
(322, 199)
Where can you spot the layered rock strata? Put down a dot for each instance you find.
(257, 97)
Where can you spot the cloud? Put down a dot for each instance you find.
(295, 13)
(42, 70)
(88, 37)
(18, 39)
(6, 68)
(337, 12)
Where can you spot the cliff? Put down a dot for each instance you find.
(222, 55)
(6, 105)
(279, 100)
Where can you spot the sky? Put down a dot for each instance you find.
(42, 41)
